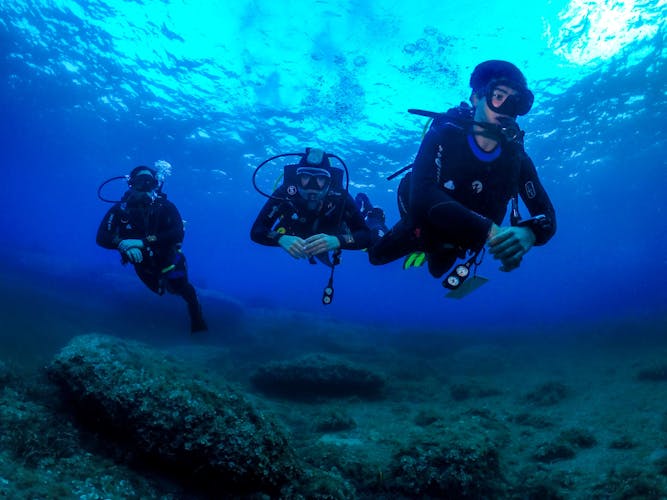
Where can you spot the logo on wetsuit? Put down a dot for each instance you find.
(477, 186)
(438, 161)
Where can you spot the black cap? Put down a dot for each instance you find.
(497, 70)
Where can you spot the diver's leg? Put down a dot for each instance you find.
(440, 262)
(149, 277)
(398, 242)
(182, 287)
(363, 203)
(176, 279)
(375, 220)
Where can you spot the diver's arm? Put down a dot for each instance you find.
(537, 201)
(262, 230)
(170, 229)
(510, 244)
(109, 230)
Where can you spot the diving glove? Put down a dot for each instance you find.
(134, 255)
(125, 245)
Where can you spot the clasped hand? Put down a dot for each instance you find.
(314, 245)
(132, 249)
(510, 244)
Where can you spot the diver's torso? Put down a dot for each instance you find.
(298, 220)
(477, 180)
(138, 222)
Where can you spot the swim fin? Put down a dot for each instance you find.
(197, 322)
(415, 259)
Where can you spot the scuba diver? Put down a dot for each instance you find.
(147, 230)
(470, 165)
(312, 213)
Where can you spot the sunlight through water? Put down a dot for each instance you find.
(322, 68)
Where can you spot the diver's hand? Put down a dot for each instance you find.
(132, 250)
(125, 245)
(320, 243)
(293, 245)
(134, 255)
(510, 244)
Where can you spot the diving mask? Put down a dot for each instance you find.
(143, 182)
(504, 103)
(312, 181)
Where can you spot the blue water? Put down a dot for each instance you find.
(91, 89)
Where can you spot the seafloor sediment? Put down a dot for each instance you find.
(399, 415)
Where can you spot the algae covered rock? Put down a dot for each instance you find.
(456, 459)
(315, 376)
(201, 431)
(547, 394)
(334, 421)
(565, 446)
(447, 470)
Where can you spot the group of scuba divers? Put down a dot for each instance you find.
(452, 201)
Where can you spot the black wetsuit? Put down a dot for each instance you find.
(280, 216)
(163, 267)
(456, 192)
